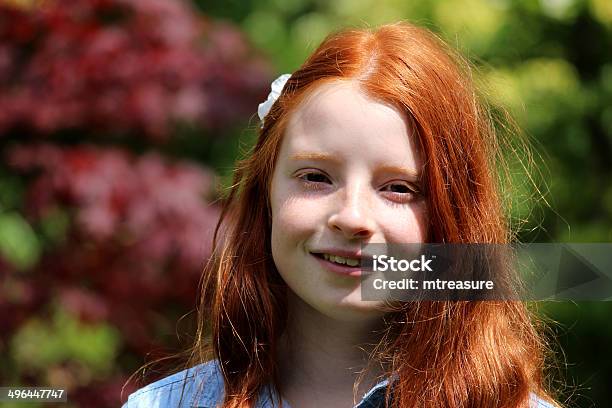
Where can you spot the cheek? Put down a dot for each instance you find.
(294, 218)
(407, 226)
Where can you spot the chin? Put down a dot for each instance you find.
(355, 310)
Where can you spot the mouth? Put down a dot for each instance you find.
(343, 265)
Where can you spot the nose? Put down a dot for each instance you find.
(353, 217)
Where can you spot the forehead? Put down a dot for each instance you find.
(339, 117)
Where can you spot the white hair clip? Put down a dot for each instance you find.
(277, 88)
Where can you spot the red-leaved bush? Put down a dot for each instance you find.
(123, 66)
(95, 96)
(140, 228)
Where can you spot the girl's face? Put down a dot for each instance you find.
(347, 174)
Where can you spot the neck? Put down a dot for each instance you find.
(322, 357)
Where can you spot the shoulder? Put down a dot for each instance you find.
(537, 402)
(201, 385)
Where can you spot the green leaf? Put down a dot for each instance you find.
(40, 344)
(18, 242)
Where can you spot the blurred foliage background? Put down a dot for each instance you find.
(120, 121)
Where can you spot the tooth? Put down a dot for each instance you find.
(352, 262)
(340, 260)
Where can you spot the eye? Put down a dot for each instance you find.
(400, 191)
(313, 177)
(397, 188)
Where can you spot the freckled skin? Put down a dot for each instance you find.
(341, 203)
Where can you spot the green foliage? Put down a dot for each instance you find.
(18, 241)
(42, 343)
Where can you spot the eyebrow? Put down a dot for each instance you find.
(315, 156)
(333, 159)
(403, 170)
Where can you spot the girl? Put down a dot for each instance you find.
(377, 138)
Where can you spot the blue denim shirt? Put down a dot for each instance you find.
(202, 386)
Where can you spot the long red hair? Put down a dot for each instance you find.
(446, 354)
